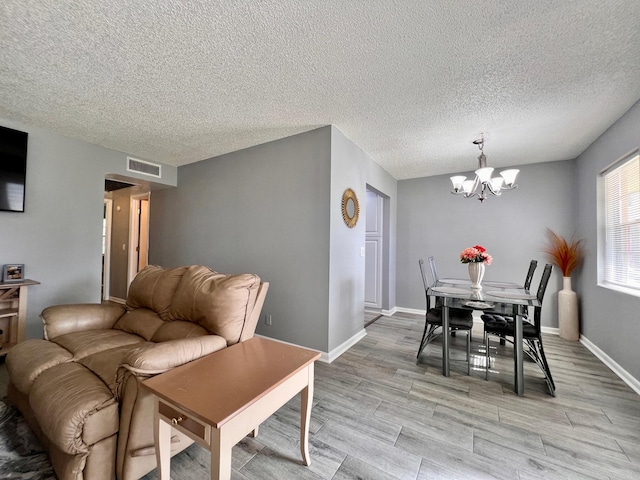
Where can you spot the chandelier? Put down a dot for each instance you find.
(483, 184)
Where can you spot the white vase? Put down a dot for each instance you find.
(476, 272)
(568, 311)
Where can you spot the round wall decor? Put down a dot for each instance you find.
(350, 208)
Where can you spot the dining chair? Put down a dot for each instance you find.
(459, 319)
(532, 268)
(432, 267)
(504, 328)
(435, 278)
(527, 284)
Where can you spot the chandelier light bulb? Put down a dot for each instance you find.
(467, 186)
(484, 174)
(509, 176)
(496, 184)
(457, 182)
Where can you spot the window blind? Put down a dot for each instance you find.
(622, 224)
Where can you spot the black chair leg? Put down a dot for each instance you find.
(547, 370)
(426, 337)
(423, 342)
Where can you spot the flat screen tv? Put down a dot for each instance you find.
(13, 169)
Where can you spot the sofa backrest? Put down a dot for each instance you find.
(165, 304)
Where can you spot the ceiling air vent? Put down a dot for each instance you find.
(143, 167)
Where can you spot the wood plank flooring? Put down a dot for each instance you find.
(379, 415)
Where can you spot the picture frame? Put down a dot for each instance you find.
(13, 272)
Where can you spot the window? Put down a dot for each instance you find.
(620, 246)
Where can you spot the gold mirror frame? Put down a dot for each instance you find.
(349, 198)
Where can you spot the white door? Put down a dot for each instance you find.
(373, 251)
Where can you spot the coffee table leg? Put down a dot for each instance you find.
(220, 455)
(162, 434)
(306, 401)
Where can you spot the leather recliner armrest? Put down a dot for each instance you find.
(154, 358)
(149, 359)
(61, 319)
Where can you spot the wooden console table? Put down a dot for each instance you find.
(13, 313)
(219, 399)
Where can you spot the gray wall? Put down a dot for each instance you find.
(263, 210)
(59, 236)
(274, 210)
(609, 319)
(512, 227)
(350, 168)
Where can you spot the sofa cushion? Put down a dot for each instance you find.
(28, 359)
(61, 319)
(153, 288)
(82, 344)
(141, 321)
(105, 364)
(178, 329)
(74, 408)
(218, 302)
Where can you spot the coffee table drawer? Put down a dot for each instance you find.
(182, 420)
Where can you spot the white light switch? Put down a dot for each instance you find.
(362, 251)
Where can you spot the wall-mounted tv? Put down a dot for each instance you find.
(13, 169)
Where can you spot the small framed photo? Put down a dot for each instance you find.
(13, 272)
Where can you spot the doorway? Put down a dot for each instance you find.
(125, 234)
(374, 250)
(138, 235)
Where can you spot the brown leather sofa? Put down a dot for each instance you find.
(79, 387)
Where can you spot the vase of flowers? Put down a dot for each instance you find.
(476, 257)
(566, 255)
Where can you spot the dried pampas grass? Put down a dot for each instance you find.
(566, 255)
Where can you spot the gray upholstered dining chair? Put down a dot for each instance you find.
(459, 319)
(503, 327)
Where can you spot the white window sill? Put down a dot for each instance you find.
(619, 288)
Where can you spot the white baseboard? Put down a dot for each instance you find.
(339, 350)
(407, 310)
(118, 300)
(625, 376)
(336, 352)
(333, 354)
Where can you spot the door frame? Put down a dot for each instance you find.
(387, 244)
(106, 258)
(134, 235)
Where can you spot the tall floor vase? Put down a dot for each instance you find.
(476, 272)
(568, 311)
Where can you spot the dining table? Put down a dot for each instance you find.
(503, 298)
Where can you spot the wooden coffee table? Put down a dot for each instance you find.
(219, 399)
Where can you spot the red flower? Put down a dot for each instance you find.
(480, 248)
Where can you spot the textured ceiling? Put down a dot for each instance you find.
(412, 83)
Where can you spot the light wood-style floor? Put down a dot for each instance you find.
(378, 415)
